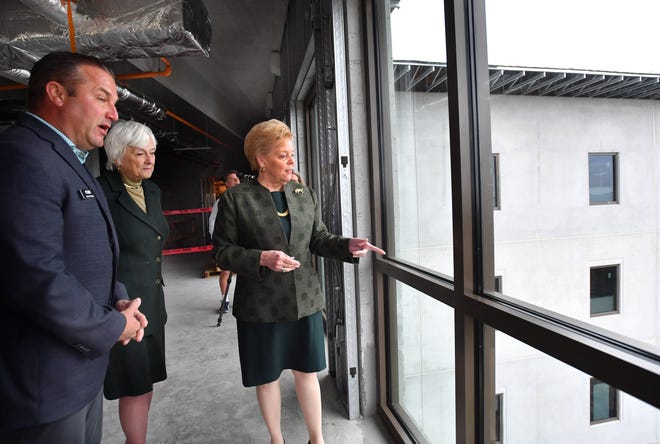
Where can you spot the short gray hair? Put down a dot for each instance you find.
(122, 134)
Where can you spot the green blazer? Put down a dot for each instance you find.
(141, 240)
(248, 224)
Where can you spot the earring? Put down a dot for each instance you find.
(262, 169)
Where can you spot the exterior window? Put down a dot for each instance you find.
(418, 195)
(496, 182)
(499, 418)
(498, 284)
(602, 179)
(431, 189)
(604, 293)
(604, 402)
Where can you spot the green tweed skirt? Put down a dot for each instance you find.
(267, 348)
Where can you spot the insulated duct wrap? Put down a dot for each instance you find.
(108, 29)
(140, 103)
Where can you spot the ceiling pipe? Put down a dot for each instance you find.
(196, 128)
(72, 33)
(150, 108)
(147, 106)
(150, 74)
(22, 77)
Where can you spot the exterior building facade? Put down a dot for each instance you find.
(518, 209)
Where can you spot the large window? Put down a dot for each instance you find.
(572, 149)
(558, 131)
(418, 165)
(515, 75)
(423, 358)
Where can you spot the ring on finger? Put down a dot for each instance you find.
(283, 270)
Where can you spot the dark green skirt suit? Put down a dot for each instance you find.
(136, 366)
(278, 314)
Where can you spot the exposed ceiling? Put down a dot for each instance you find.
(210, 101)
(432, 77)
(232, 84)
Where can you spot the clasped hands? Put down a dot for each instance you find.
(278, 261)
(136, 321)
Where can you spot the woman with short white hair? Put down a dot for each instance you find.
(135, 204)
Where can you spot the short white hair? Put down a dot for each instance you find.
(122, 134)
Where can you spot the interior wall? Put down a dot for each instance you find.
(313, 22)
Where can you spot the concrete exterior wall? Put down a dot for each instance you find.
(547, 237)
(546, 401)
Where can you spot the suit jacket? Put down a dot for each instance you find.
(141, 239)
(58, 252)
(248, 224)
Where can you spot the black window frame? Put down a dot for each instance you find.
(631, 366)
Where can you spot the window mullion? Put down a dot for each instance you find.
(467, 70)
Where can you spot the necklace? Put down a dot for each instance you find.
(285, 214)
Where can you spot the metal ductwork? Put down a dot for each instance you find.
(129, 98)
(108, 29)
(21, 76)
(146, 106)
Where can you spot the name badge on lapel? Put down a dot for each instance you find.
(86, 194)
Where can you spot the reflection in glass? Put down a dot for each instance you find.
(419, 177)
(547, 401)
(573, 122)
(602, 170)
(423, 356)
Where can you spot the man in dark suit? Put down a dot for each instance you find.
(61, 307)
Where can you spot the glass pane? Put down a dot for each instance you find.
(573, 105)
(417, 176)
(547, 401)
(603, 401)
(601, 178)
(604, 289)
(423, 362)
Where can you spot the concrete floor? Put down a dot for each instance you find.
(203, 400)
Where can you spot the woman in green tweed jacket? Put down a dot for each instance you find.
(266, 232)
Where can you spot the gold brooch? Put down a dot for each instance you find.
(298, 191)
